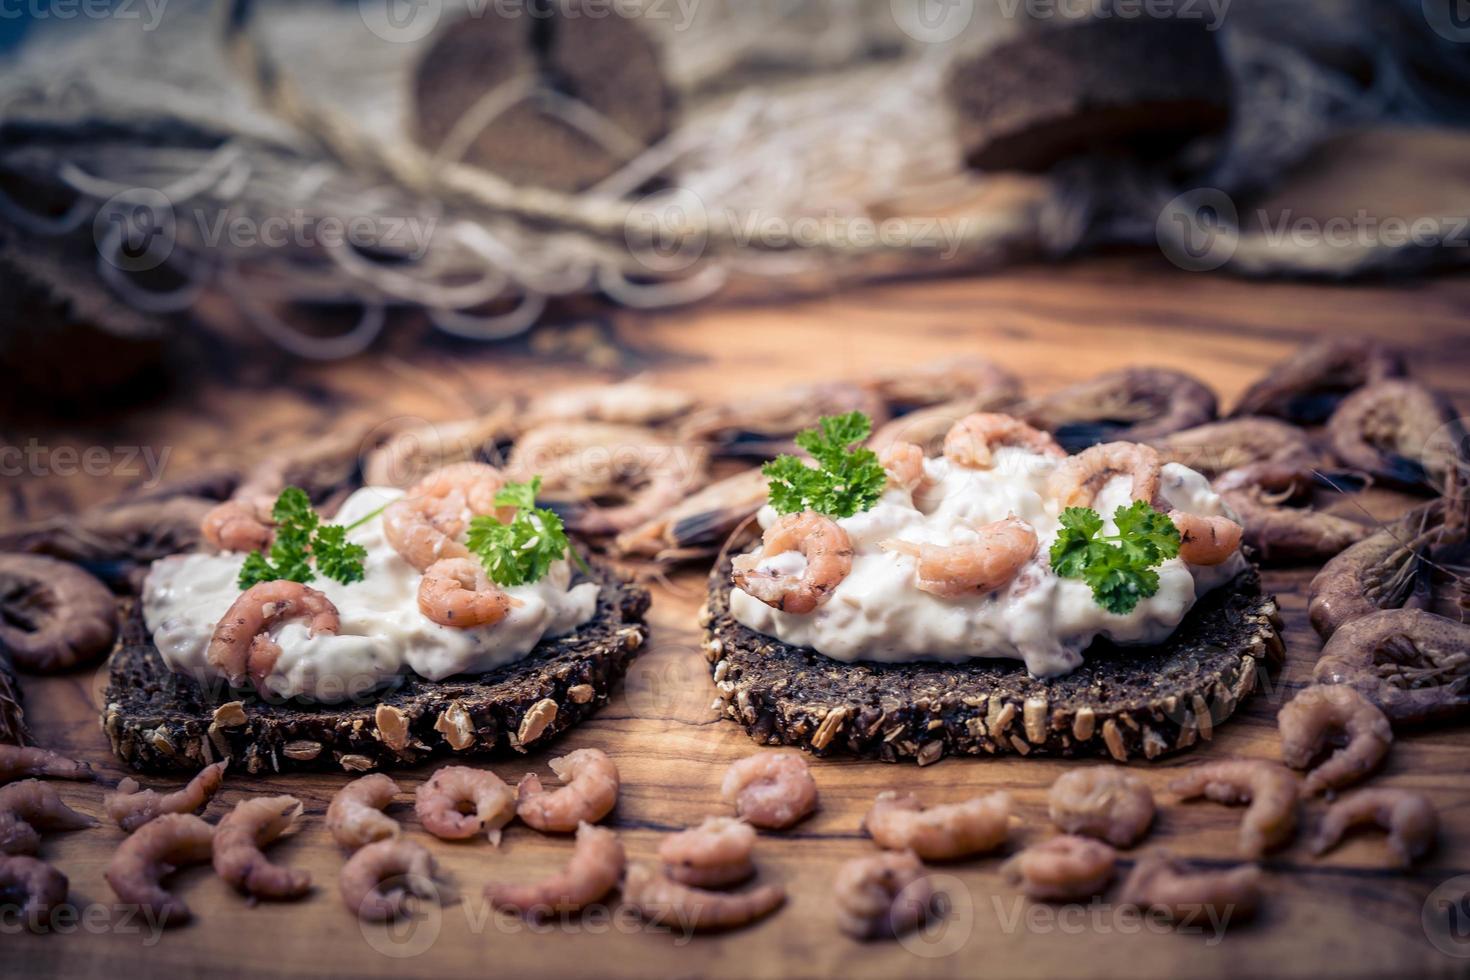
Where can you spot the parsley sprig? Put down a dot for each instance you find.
(523, 549)
(301, 538)
(844, 482)
(1119, 567)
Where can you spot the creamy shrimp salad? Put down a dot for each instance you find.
(383, 632)
(876, 613)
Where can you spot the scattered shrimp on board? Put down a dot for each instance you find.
(131, 806)
(772, 790)
(24, 762)
(355, 817)
(1066, 868)
(1107, 802)
(458, 802)
(1320, 713)
(238, 858)
(154, 851)
(1271, 790)
(53, 615)
(30, 806)
(596, 865)
(1409, 818)
(943, 832)
(714, 854)
(589, 793)
(31, 888)
(883, 896)
(1162, 884)
(664, 901)
(378, 880)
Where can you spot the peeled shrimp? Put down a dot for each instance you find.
(158, 849)
(1161, 884)
(882, 896)
(423, 525)
(1001, 550)
(1307, 386)
(713, 855)
(1219, 447)
(31, 887)
(1077, 481)
(19, 762)
(1260, 492)
(241, 647)
(355, 817)
(770, 789)
(378, 879)
(589, 794)
(1409, 818)
(440, 803)
(1062, 869)
(927, 427)
(627, 403)
(663, 901)
(596, 865)
(1270, 789)
(943, 832)
(1385, 429)
(53, 615)
(1206, 540)
(972, 440)
(1108, 802)
(828, 553)
(964, 376)
(131, 806)
(240, 525)
(30, 806)
(473, 485)
(1412, 664)
(457, 592)
(903, 462)
(1134, 404)
(1320, 711)
(238, 840)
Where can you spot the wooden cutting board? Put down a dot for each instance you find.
(1346, 913)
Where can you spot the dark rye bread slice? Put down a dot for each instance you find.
(1127, 703)
(158, 720)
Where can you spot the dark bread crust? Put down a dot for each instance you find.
(1127, 703)
(160, 721)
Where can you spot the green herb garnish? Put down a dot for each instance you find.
(302, 538)
(844, 482)
(523, 550)
(1119, 567)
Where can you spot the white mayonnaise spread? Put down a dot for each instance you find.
(383, 632)
(877, 613)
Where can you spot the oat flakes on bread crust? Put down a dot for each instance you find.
(1126, 703)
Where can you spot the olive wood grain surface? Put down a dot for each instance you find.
(1346, 914)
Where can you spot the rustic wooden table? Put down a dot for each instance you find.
(1345, 914)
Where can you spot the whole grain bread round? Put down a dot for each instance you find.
(159, 721)
(1126, 703)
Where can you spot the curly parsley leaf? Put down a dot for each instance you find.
(844, 482)
(523, 549)
(300, 538)
(1119, 568)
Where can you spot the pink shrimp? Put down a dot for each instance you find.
(355, 817)
(240, 525)
(158, 849)
(441, 801)
(131, 806)
(1408, 817)
(773, 790)
(664, 901)
(1161, 884)
(1206, 540)
(972, 440)
(1063, 869)
(939, 833)
(819, 539)
(1270, 789)
(238, 840)
(713, 855)
(29, 806)
(1320, 712)
(457, 592)
(883, 896)
(596, 865)
(1107, 802)
(1077, 481)
(377, 880)
(590, 793)
(241, 647)
(20, 762)
(904, 464)
(39, 887)
(997, 556)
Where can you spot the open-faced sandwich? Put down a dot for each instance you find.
(451, 616)
(1000, 597)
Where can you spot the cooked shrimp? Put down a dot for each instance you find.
(131, 806)
(53, 615)
(596, 865)
(712, 855)
(241, 647)
(1261, 493)
(1307, 386)
(1386, 427)
(1133, 404)
(589, 794)
(1409, 818)
(423, 530)
(1321, 711)
(31, 887)
(442, 803)
(943, 832)
(631, 402)
(1077, 481)
(457, 592)
(1062, 869)
(1219, 447)
(762, 424)
(1270, 789)
(1161, 884)
(355, 817)
(770, 789)
(1411, 663)
(20, 762)
(412, 453)
(240, 525)
(470, 484)
(157, 850)
(1001, 549)
(663, 901)
(1108, 802)
(30, 806)
(701, 522)
(378, 879)
(883, 896)
(828, 553)
(927, 427)
(238, 840)
(903, 462)
(973, 439)
(1206, 540)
